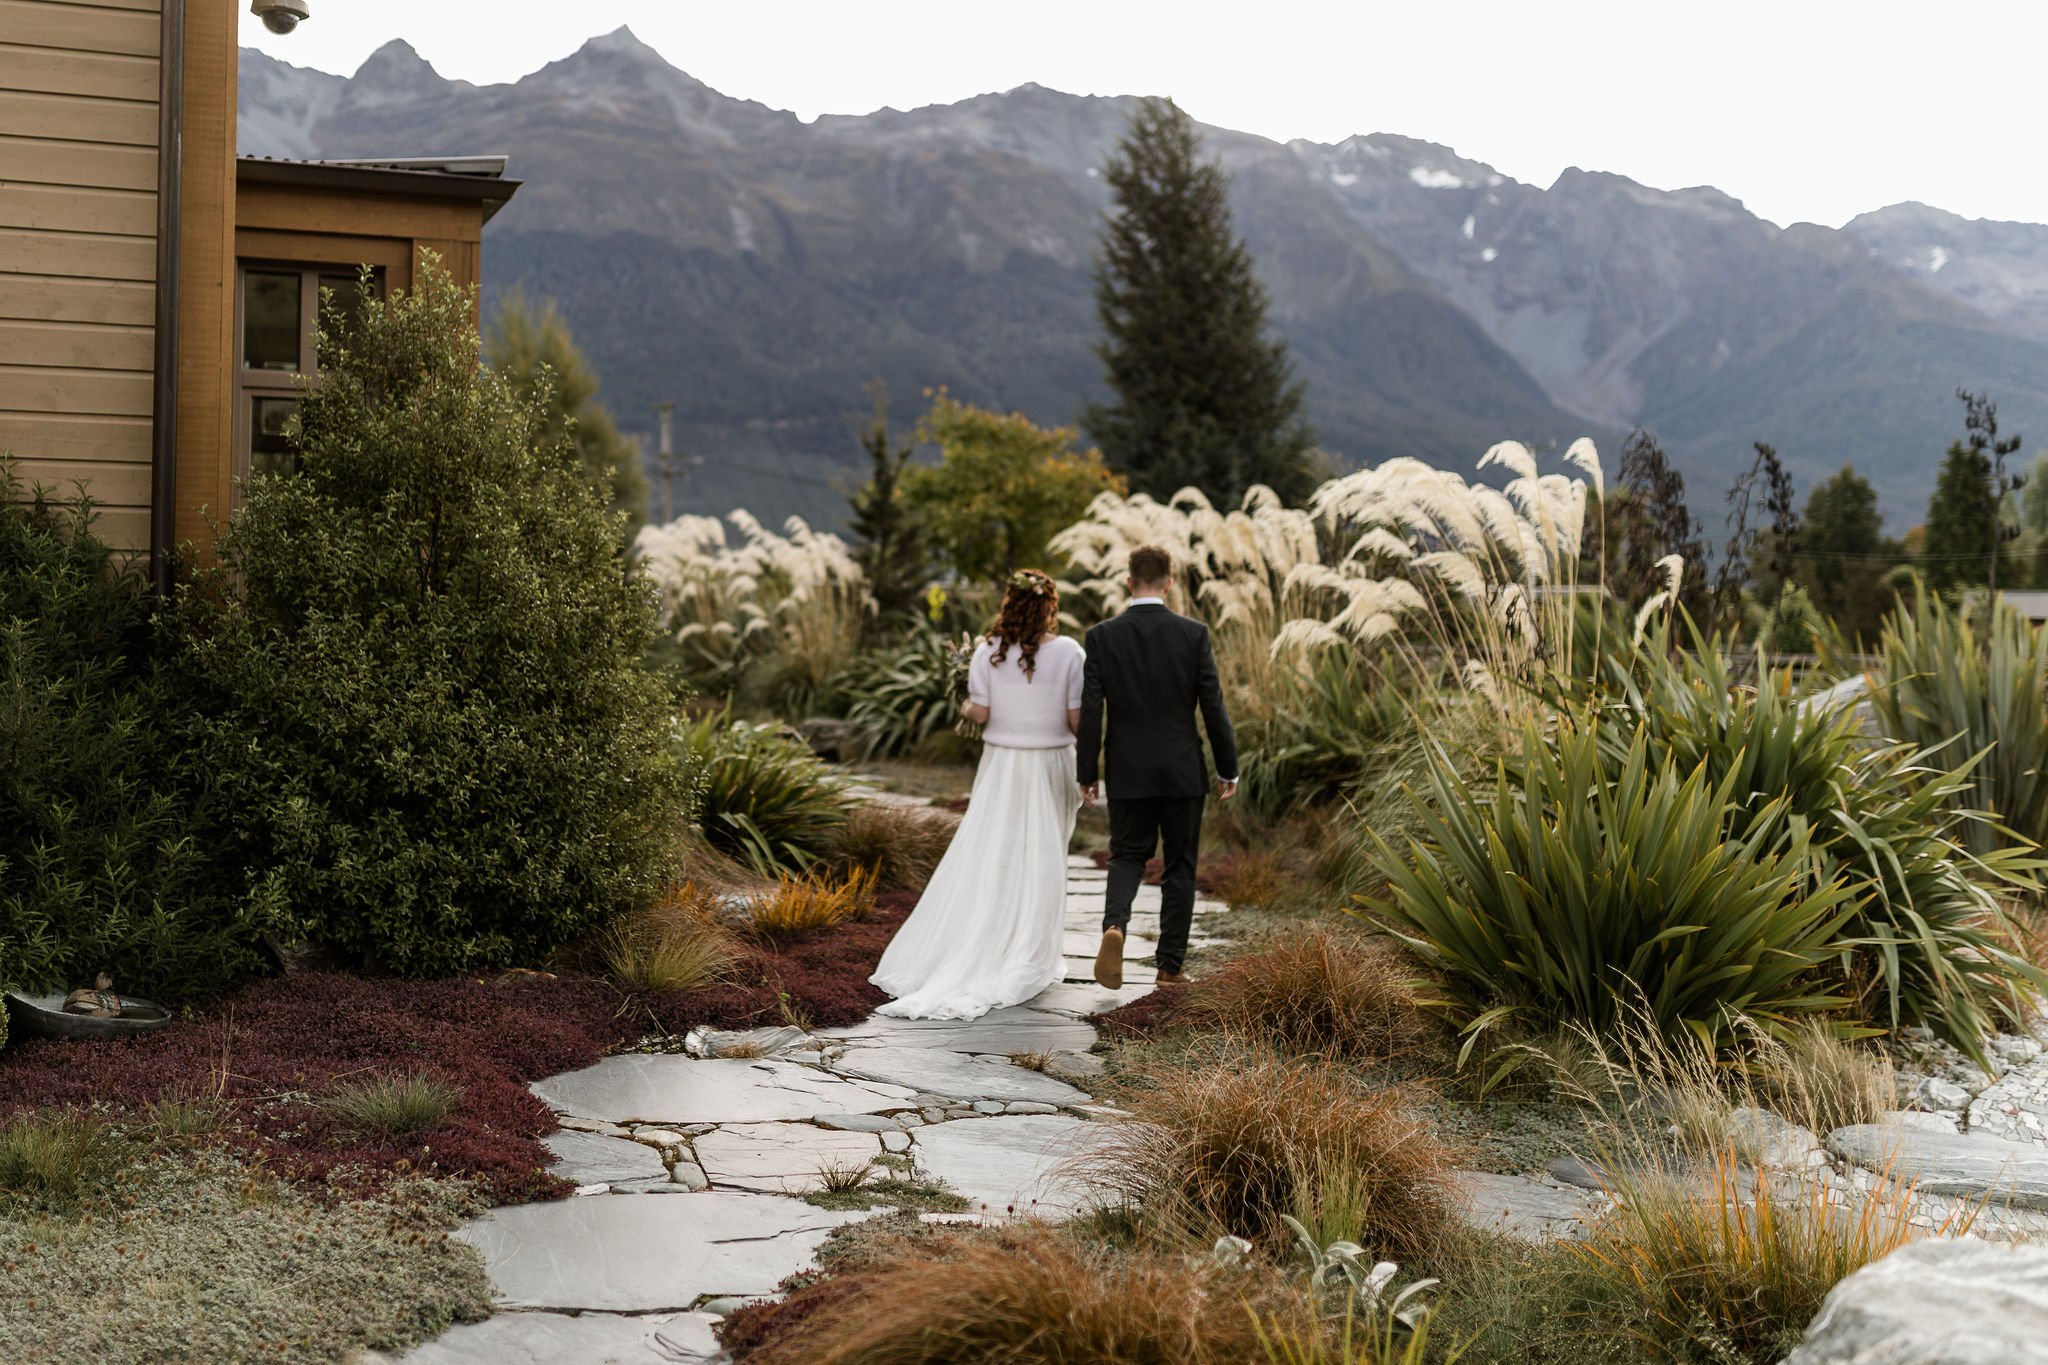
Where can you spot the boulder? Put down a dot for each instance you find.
(1945, 1163)
(1936, 1302)
(835, 741)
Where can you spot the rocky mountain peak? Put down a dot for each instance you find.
(397, 70)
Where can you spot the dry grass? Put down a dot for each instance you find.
(1230, 1143)
(1823, 1082)
(1316, 992)
(840, 1176)
(1033, 1061)
(1256, 878)
(679, 945)
(1749, 1252)
(45, 1154)
(1038, 1295)
(797, 904)
(899, 846)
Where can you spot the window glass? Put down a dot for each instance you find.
(270, 320)
(272, 422)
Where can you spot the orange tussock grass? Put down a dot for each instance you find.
(1316, 992)
(1228, 1147)
(680, 943)
(798, 903)
(1037, 1295)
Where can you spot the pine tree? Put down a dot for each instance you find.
(523, 339)
(1957, 551)
(1844, 561)
(1202, 395)
(887, 539)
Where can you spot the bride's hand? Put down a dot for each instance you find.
(1091, 792)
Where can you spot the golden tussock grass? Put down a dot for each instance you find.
(1316, 992)
(1038, 1295)
(797, 904)
(1231, 1143)
(899, 845)
(679, 944)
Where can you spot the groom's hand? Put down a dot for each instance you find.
(1226, 790)
(1091, 791)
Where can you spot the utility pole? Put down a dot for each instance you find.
(666, 460)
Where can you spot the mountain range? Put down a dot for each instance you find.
(759, 271)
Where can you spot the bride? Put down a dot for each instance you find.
(986, 933)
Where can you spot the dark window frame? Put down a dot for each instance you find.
(254, 385)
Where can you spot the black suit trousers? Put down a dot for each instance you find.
(1136, 827)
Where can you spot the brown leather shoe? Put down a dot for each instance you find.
(1109, 960)
(1173, 978)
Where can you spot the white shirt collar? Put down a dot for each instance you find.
(1148, 601)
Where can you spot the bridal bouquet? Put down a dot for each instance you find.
(959, 657)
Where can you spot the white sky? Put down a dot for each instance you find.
(1809, 110)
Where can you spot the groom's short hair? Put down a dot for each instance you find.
(1151, 566)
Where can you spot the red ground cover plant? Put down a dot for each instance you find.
(271, 1050)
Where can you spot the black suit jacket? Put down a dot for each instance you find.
(1153, 668)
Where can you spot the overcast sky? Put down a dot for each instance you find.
(1804, 109)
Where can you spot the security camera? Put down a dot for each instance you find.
(280, 16)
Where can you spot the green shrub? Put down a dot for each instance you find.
(903, 693)
(1565, 893)
(1929, 938)
(420, 665)
(767, 800)
(1952, 686)
(1335, 725)
(103, 861)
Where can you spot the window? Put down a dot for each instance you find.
(279, 309)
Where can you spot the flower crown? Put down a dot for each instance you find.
(1032, 581)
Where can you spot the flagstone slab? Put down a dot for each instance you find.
(646, 1255)
(1082, 969)
(1015, 1167)
(1017, 1029)
(664, 1088)
(1076, 943)
(589, 1159)
(1082, 998)
(557, 1339)
(780, 1158)
(954, 1074)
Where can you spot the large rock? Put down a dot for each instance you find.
(646, 1255)
(663, 1088)
(589, 1159)
(1936, 1302)
(554, 1339)
(1083, 998)
(955, 1074)
(781, 1158)
(1012, 1030)
(1524, 1207)
(1017, 1167)
(1943, 1163)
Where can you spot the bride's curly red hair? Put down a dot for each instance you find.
(1031, 606)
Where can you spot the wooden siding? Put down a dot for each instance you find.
(206, 275)
(78, 179)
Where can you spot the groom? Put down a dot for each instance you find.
(1154, 668)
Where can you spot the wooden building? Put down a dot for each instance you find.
(156, 291)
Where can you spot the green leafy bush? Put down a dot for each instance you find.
(903, 693)
(1336, 723)
(767, 800)
(420, 664)
(103, 863)
(1948, 685)
(1926, 933)
(1564, 894)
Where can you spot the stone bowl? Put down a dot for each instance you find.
(43, 1016)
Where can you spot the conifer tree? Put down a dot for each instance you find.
(1202, 394)
(888, 541)
(1960, 521)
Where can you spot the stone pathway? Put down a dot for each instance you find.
(742, 1130)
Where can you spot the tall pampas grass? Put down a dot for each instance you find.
(1457, 583)
(796, 601)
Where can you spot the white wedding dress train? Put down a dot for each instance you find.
(986, 932)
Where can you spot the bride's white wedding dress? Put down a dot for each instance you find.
(986, 932)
